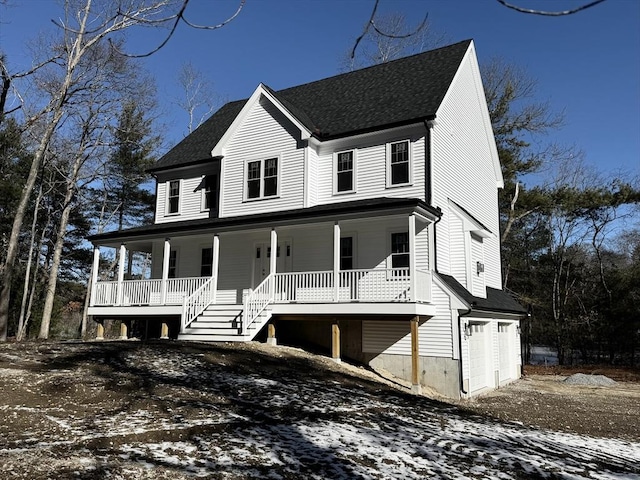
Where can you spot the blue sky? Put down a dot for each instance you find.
(587, 64)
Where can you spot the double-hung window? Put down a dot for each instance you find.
(400, 250)
(173, 264)
(345, 169)
(210, 192)
(262, 178)
(173, 197)
(398, 163)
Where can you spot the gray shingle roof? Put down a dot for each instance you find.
(496, 301)
(395, 93)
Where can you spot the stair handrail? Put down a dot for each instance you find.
(257, 301)
(196, 303)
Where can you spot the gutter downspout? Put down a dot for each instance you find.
(460, 332)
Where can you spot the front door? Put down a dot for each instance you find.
(262, 260)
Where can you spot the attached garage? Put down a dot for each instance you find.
(479, 355)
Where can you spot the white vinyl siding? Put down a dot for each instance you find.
(463, 169)
(371, 174)
(312, 177)
(457, 251)
(191, 195)
(477, 257)
(265, 133)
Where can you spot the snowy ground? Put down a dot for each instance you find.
(126, 410)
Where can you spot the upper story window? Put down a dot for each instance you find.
(173, 197)
(262, 178)
(400, 250)
(210, 192)
(398, 163)
(345, 172)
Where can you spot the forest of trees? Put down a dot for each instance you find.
(73, 155)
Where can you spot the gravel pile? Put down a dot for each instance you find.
(596, 380)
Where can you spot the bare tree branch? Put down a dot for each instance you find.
(549, 13)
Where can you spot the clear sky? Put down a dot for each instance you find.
(587, 64)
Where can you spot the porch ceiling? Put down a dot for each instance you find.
(318, 214)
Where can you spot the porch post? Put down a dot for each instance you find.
(165, 269)
(94, 275)
(415, 356)
(336, 262)
(215, 266)
(335, 342)
(412, 258)
(274, 252)
(124, 330)
(123, 251)
(164, 331)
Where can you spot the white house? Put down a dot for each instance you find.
(358, 212)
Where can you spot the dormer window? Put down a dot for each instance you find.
(344, 180)
(262, 179)
(398, 163)
(173, 197)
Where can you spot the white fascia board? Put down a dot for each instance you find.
(261, 91)
(469, 223)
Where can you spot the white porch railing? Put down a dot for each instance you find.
(196, 303)
(256, 301)
(146, 292)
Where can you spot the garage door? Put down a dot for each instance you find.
(504, 351)
(478, 356)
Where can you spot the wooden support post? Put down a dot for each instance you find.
(271, 334)
(123, 330)
(164, 332)
(100, 331)
(415, 357)
(335, 342)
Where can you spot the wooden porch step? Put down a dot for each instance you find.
(222, 323)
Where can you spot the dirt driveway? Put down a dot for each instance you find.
(546, 401)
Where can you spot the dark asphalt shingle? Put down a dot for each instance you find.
(496, 301)
(399, 92)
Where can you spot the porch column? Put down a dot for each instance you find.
(415, 357)
(274, 252)
(271, 334)
(123, 251)
(100, 330)
(335, 342)
(214, 267)
(412, 258)
(165, 270)
(94, 276)
(336, 262)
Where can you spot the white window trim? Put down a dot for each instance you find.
(180, 195)
(388, 163)
(245, 189)
(390, 232)
(203, 193)
(354, 179)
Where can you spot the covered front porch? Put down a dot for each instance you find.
(351, 264)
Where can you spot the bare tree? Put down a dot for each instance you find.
(84, 24)
(198, 99)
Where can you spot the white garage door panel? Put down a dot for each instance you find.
(504, 350)
(478, 356)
